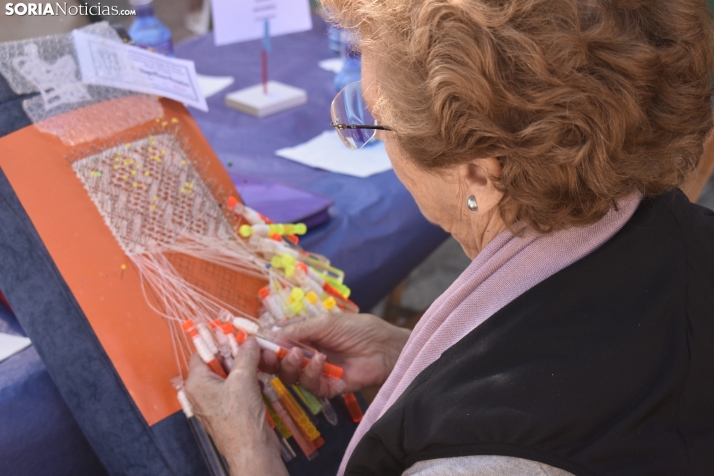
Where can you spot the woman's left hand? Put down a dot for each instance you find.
(233, 412)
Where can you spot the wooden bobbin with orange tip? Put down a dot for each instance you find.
(202, 348)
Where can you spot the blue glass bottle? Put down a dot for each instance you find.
(334, 32)
(334, 39)
(147, 31)
(352, 68)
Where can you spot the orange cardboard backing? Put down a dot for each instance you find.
(102, 279)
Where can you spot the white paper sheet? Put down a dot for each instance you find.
(242, 20)
(332, 64)
(210, 85)
(111, 63)
(11, 345)
(327, 152)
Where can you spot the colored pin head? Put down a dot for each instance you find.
(264, 292)
(311, 297)
(245, 231)
(297, 294)
(329, 303)
(231, 203)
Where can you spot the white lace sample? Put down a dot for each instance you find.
(58, 83)
(149, 194)
(50, 48)
(49, 66)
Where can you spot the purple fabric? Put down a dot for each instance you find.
(509, 266)
(282, 203)
(376, 233)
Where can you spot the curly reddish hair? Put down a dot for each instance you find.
(582, 101)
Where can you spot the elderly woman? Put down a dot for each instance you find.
(549, 138)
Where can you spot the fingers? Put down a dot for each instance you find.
(291, 366)
(196, 366)
(336, 386)
(248, 356)
(311, 378)
(198, 371)
(269, 362)
(308, 330)
(201, 383)
(223, 406)
(243, 385)
(313, 370)
(290, 369)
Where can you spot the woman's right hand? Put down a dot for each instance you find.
(365, 346)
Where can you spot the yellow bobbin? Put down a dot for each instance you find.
(329, 303)
(297, 294)
(311, 297)
(297, 307)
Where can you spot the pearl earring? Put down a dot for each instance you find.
(472, 204)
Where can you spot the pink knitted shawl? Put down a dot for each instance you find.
(506, 268)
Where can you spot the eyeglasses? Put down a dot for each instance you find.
(350, 117)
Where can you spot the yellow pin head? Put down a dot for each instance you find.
(297, 294)
(245, 231)
(329, 303)
(311, 297)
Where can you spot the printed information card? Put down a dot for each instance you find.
(242, 20)
(105, 62)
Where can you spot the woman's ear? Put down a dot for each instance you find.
(477, 177)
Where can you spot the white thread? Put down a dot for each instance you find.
(155, 202)
(150, 193)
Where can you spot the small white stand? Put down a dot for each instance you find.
(255, 102)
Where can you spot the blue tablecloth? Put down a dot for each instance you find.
(376, 233)
(38, 435)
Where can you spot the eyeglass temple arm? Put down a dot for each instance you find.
(359, 126)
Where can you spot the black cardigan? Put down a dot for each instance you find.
(605, 368)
